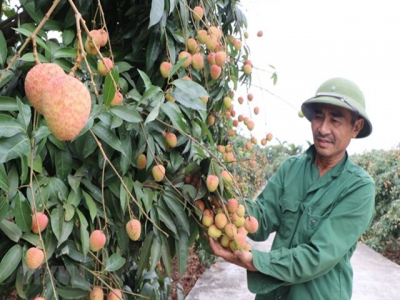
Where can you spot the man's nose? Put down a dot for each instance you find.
(324, 127)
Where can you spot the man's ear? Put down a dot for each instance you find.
(358, 125)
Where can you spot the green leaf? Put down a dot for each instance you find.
(83, 224)
(3, 179)
(114, 262)
(23, 213)
(68, 36)
(176, 208)
(109, 86)
(35, 14)
(193, 88)
(8, 104)
(71, 293)
(108, 136)
(4, 207)
(63, 163)
(157, 10)
(146, 79)
(153, 49)
(10, 262)
(127, 113)
(174, 113)
(24, 116)
(166, 218)
(28, 57)
(61, 229)
(65, 52)
(186, 99)
(28, 33)
(13, 147)
(11, 230)
(182, 252)
(9, 126)
(123, 66)
(154, 112)
(69, 212)
(166, 256)
(91, 205)
(3, 49)
(155, 253)
(145, 253)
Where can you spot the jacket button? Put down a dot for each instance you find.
(279, 297)
(313, 222)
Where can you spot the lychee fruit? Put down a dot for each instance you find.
(39, 222)
(240, 241)
(114, 294)
(237, 44)
(269, 136)
(212, 182)
(36, 79)
(171, 139)
(158, 172)
(104, 67)
(250, 97)
(211, 42)
(230, 230)
(97, 240)
(240, 210)
(192, 45)
(118, 99)
(247, 69)
(104, 37)
(220, 220)
(214, 31)
(197, 13)
(225, 240)
(227, 177)
(215, 71)
(256, 110)
(97, 40)
(251, 224)
(240, 100)
(260, 33)
(211, 58)
(253, 163)
(141, 161)
(134, 229)
(66, 105)
(238, 221)
(197, 61)
(34, 258)
(200, 204)
(188, 60)
(96, 293)
(227, 101)
(165, 67)
(254, 140)
(207, 219)
(220, 58)
(202, 36)
(232, 205)
(214, 232)
(210, 120)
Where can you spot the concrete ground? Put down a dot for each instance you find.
(375, 277)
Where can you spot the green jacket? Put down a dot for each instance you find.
(318, 222)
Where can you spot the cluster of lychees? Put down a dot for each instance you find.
(229, 224)
(99, 38)
(63, 100)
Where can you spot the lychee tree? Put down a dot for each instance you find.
(107, 208)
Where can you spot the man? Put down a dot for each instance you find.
(318, 203)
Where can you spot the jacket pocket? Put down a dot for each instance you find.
(290, 213)
(315, 218)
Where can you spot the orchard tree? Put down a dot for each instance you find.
(115, 139)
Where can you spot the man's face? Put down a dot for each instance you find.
(333, 131)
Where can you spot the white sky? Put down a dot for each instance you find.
(309, 41)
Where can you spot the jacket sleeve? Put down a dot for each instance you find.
(338, 233)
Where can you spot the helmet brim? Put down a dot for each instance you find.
(308, 110)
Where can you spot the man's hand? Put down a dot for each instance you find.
(242, 258)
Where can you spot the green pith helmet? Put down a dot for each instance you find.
(344, 93)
